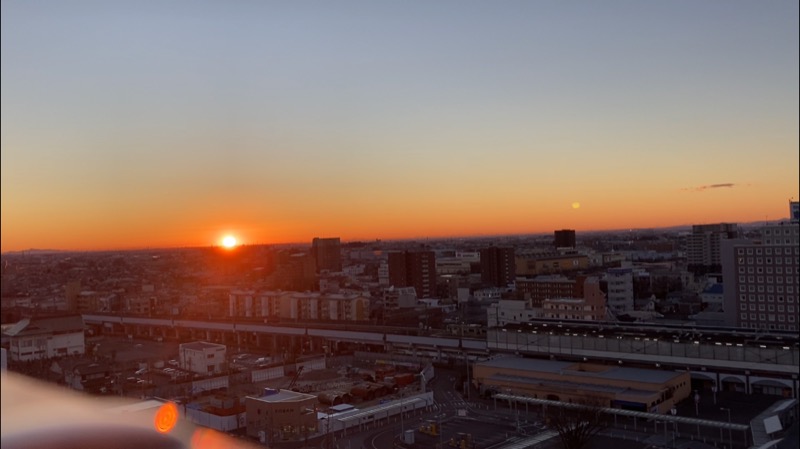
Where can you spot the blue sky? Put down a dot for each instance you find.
(286, 118)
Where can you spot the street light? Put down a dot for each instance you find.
(730, 438)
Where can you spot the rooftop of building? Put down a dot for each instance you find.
(571, 386)
(200, 346)
(607, 372)
(714, 289)
(46, 325)
(271, 395)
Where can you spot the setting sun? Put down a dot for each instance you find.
(229, 241)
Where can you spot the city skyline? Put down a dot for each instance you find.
(132, 126)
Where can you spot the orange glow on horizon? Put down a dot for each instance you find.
(474, 216)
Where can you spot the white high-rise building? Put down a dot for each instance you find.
(762, 279)
(620, 290)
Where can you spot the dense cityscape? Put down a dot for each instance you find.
(407, 343)
(400, 224)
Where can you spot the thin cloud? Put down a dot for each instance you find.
(727, 185)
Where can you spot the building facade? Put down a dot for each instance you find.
(620, 290)
(703, 245)
(591, 307)
(761, 279)
(293, 306)
(535, 290)
(414, 269)
(653, 391)
(202, 357)
(46, 338)
(532, 265)
(281, 414)
(327, 253)
(498, 266)
(399, 298)
(564, 238)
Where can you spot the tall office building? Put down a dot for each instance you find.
(414, 269)
(794, 211)
(564, 238)
(761, 279)
(703, 244)
(498, 266)
(327, 254)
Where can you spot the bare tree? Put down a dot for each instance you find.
(577, 424)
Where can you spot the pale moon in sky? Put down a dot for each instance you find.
(576, 205)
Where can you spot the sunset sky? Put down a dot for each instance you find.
(129, 124)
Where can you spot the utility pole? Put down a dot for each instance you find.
(730, 438)
(402, 424)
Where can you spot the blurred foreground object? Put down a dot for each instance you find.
(37, 415)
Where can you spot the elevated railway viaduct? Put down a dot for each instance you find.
(719, 359)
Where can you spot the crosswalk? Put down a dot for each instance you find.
(450, 399)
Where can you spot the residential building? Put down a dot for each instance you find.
(296, 272)
(399, 298)
(383, 273)
(551, 263)
(620, 290)
(414, 269)
(498, 266)
(327, 253)
(537, 289)
(712, 297)
(565, 238)
(293, 306)
(591, 307)
(704, 243)
(89, 377)
(201, 357)
(511, 311)
(488, 294)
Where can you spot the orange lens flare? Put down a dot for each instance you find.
(166, 417)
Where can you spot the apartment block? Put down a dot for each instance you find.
(498, 267)
(414, 269)
(703, 245)
(327, 253)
